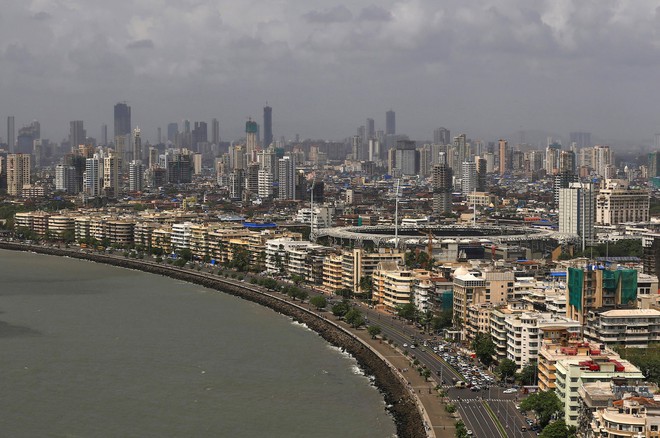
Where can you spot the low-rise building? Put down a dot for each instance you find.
(571, 374)
(623, 327)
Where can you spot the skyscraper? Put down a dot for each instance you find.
(441, 136)
(504, 151)
(137, 145)
(11, 140)
(287, 182)
(122, 119)
(251, 129)
(18, 173)
(441, 180)
(172, 131)
(581, 139)
(268, 126)
(135, 176)
(92, 177)
(371, 129)
(104, 134)
(215, 132)
(390, 123)
(468, 178)
(577, 211)
(77, 134)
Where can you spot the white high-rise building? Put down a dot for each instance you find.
(65, 179)
(577, 211)
(469, 177)
(287, 181)
(265, 184)
(135, 176)
(92, 177)
(602, 159)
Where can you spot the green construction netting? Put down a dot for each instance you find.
(611, 280)
(575, 281)
(628, 286)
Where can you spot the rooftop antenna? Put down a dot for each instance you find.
(396, 216)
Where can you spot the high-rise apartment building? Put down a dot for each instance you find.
(137, 145)
(215, 132)
(441, 136)
(390, 123)
(577, 211)
(407, 158)
(504, 152)
(122, 119)
(268, 126)
(77, 134)
(111, 185)
(468, 178)
(11, 140)
(442, 185)
(92, 177)
(135, 176)
(370, 129)
(18, 173)
(251, 145)
(287, 178)
(581, 139)
(66, 179)
(172, 131)
(602, 161)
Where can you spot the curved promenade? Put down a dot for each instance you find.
(409, 415)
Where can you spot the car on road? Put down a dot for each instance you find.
(469, 432)
(510, 391)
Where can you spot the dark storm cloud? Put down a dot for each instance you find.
(485, 67)
(338, 14)
(141, 44)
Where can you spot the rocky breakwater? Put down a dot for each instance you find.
(400, 402)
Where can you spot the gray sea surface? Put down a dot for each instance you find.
(90, 350)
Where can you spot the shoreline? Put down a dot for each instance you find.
(408, 419)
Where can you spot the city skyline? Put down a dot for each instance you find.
(325, 67)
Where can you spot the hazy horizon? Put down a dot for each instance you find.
(486, 70)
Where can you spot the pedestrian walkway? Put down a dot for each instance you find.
(442, 422)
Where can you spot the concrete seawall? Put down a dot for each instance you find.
(401, 404)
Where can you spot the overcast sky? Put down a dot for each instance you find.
(481, 67)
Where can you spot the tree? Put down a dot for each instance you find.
(506, 368)
(557, 429)
(374, 330)
(528, 374)
(340, 309)
(407, 311)
(366, 286)
(426, 374)
(544, 403)
(302, 294)
(442, 321)
(354, 318)
(318, 301)
(484, 348)
(344, 292)
(185, 254)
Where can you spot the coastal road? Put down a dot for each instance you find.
(471, 404)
